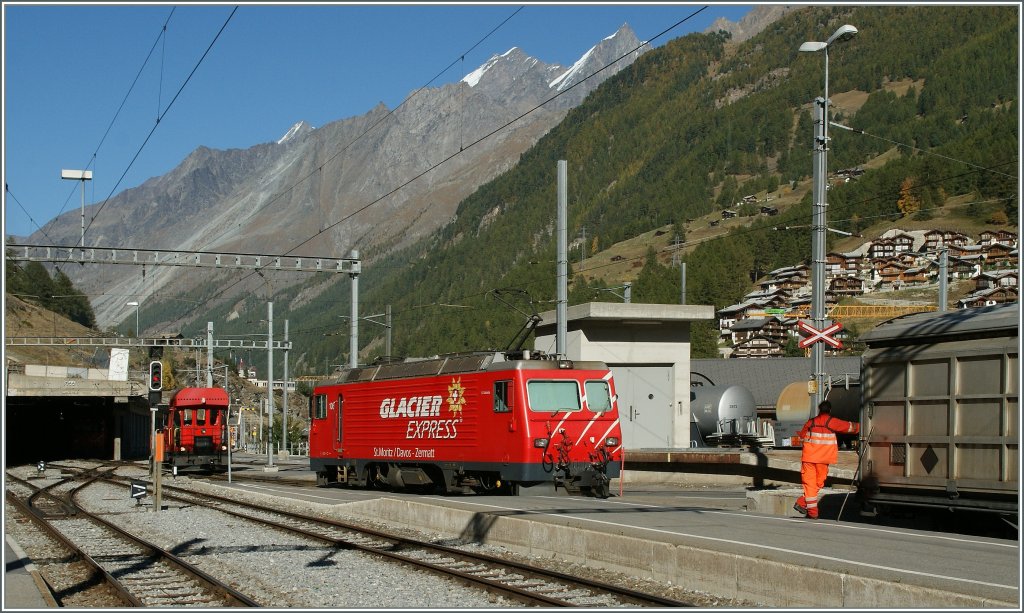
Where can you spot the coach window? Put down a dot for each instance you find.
(599, 398)
(200, 417)
(187, 417)
(319, 407)
(502, 396)
(553, 396)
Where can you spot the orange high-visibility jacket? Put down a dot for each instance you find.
(819, 438)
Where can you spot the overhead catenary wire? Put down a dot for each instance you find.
(117, 113)
(454, 155)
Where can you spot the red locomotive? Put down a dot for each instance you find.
(196, 431)
(486, 421)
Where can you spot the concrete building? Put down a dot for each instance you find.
(647, 348)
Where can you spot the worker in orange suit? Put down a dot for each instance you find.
(820, 448)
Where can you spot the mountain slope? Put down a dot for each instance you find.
(692, 127)
(374, 182)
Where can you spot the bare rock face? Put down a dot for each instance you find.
(752, 23)
(374, 182)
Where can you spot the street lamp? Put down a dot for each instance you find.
(83, 176)
(136, 305)
(820, 195)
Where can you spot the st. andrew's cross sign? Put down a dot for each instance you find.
(816, 335)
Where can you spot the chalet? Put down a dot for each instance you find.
(989, 297)
(935, 239)
(917, 275)
(965, 267)
(889, 271)
(849, 173)
(998, 255)
(768, 327)
(966, 250)
(727, 214)
(758, 347)
(769, 211)
(851, 263)
(1006, 237)
(988, 280)
(891, 245)
(730, 315)
(846, 286)
(750, 198)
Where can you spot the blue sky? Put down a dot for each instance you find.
(68, 70)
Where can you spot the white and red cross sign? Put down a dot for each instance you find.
(816, 335)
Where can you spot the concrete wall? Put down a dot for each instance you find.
(633, 334)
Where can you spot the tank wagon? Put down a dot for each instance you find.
(941, 417)
(489, 422)
(726, 416)
(195, 433)
(793, 409)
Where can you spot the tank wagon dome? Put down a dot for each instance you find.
(982, 322)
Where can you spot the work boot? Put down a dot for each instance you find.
(799, 507)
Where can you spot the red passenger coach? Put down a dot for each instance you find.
(196, 431)
(489, 422)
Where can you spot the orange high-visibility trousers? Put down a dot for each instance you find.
(812, 476)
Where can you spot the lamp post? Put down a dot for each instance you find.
(136, 305)
(83, 176)
(820, 196)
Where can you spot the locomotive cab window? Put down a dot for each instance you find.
(319, 407)
(201, 417)
(502, 396)
(553, 396)
(599, 397)
(187, 417)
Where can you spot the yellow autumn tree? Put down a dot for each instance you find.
(908, 202)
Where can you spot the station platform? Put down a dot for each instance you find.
(23, 586)
(687, 513)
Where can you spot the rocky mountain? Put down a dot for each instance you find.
(752, 23)
(375, 182)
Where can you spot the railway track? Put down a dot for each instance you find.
(138, 572)
(519, 582)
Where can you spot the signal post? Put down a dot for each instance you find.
(156, 386)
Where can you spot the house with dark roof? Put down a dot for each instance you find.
(1006, 237)
(989, 297)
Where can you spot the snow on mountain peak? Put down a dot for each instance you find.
(298, 128)
(474, 77)
(560, 81)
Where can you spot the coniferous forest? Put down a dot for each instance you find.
(687, 130)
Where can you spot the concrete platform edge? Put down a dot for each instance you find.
(724, 574)
(19, 594)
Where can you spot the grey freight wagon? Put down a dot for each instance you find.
(940, 420)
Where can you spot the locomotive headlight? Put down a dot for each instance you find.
(540, 443)
(223, 447)
(182, 449)
(611, 441)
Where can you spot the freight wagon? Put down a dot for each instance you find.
(486, 422)
(941, 415)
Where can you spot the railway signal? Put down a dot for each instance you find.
(156, 376)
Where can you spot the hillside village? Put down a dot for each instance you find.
(765, 320)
